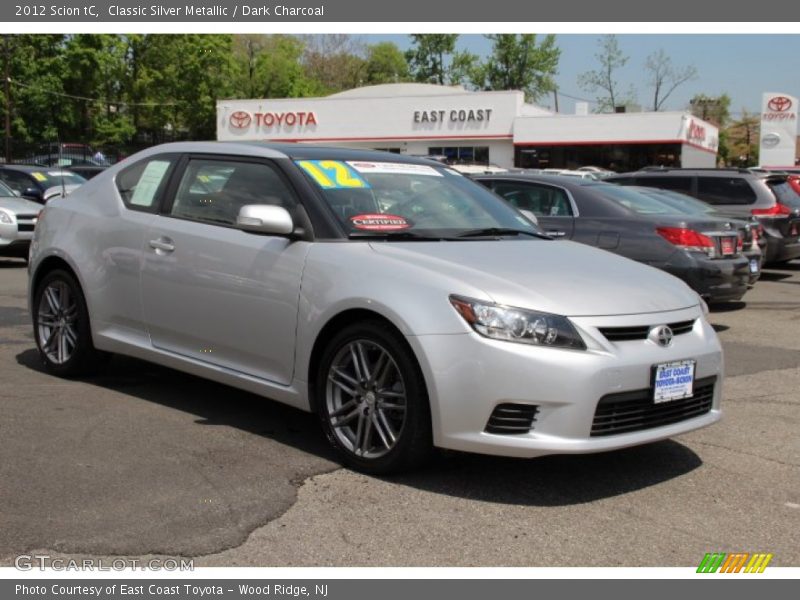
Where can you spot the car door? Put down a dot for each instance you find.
(213, 292)
(550, 204)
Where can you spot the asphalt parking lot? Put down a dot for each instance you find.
(146, 461)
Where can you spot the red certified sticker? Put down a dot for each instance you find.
(379, 222)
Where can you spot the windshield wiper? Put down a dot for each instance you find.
(498, 231)
(396, 235)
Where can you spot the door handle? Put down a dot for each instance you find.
(162, 245)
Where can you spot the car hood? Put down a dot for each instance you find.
(559, 277)
(20, 206)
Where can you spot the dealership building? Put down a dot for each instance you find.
(473, 127)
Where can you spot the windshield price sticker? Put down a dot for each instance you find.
(39, 176)
(673, 381)
(387, 167)
(379, 222)
(333, 174)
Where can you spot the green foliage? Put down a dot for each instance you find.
(517, 62)
(434, 59)
(385, 64)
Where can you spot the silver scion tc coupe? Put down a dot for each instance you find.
(404, 304)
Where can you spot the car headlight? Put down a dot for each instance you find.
(5, 218)
(518, 324)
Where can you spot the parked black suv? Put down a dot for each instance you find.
(737, 193)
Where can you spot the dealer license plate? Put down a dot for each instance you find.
(673, 380)
(754, 265)
(728, 245)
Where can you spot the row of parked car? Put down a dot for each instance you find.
(713, 228)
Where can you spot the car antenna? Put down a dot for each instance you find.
(61, 170)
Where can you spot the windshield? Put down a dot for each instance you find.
(382, 198)
(6, 191)
(53, 177)
(683, 203)
(638, 202)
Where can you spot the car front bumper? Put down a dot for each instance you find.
(468, 376)
(14, 242)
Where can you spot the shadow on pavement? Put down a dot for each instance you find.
(723, 307)
(547, 481)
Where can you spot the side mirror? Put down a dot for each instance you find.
(265, 218)
(33, 192)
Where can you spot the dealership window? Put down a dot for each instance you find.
(616, 157)
(725, 190)
(462, 154)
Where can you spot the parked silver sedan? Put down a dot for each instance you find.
(17, 220)
(404, 304)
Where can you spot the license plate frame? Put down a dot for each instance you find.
(754, 268)
(679, 390)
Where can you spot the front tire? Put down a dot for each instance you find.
(61, 327)
(372, 401)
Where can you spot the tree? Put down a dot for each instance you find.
(743, 138)
(611, 59)
(334, 62)
(518, 63)
(434, 59)
(665, 77)
(714, 109)
(385, 64)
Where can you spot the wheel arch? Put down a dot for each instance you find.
(335, 324)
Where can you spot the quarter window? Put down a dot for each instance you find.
(141, 184)
(215, 190)
(725, 190)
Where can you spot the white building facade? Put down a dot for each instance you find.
(472, 127)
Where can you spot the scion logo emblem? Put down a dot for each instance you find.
(241, 119)
(661, 335)
(779, 104)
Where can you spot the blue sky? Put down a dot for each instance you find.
(743, 66)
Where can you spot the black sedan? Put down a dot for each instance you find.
(39, 183)
(704, 251)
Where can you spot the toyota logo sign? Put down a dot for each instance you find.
(779, 103)
(240, 119)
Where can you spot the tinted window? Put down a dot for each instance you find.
(622, 180)
(784, 192)
(725, 190)
(678, 184)
(541, 200)
(215, 190)
(141, 184)
(17, 181)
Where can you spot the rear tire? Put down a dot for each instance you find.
(61, 327)
(372, 401)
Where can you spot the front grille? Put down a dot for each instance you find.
(510, 419)
(639, 332)
(25, 226)
(635, 411)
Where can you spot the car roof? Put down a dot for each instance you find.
(733, 172)
(562, 180)
(295, 151)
